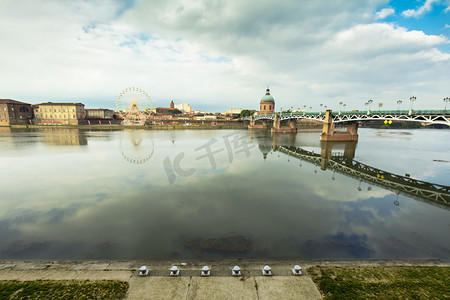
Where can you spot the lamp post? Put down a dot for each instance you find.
(321, 108)
(446, 100)
(369, 102)
(340, 105)
(344, 105)
(398, 103)
(412, 99)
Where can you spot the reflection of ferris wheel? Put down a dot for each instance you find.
(133, 104)
(138, 150)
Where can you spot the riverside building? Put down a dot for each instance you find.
(59, 113)
(267, 104)
(14, 112)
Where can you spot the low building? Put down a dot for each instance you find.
(14, 112)
(59, 113)
(163, 110)
(205, 118)
(99, 113)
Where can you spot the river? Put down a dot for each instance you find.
(211, 194)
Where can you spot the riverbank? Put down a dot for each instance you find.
(125, 127)
(190, 285)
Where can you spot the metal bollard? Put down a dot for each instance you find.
(236, 271)
(297, 270)
(267, 271)
(174, 271)
(143, 271)
(205, 272)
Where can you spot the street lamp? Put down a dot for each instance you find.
(344, 105)
(369, 102)
(398, 103)
(340, 105)
(412, 99)
(446, 100)
(321, 108)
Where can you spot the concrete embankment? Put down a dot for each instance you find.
(190, 285)
(126, 127)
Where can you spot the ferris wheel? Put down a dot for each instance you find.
(132, 104)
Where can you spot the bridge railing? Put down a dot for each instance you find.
(357, 112)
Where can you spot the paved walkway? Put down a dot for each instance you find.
(189, 285)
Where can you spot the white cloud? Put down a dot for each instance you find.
(384, 13)
(426, 7)
(215, 54)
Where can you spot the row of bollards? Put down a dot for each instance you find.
(205, 272)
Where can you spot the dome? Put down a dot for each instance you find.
(267, 97)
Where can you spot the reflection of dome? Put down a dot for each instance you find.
(265, 149)
(267, 97)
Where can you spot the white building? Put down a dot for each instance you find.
(184, 107)
(234, 110)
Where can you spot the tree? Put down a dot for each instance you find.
(247, 112)
(174, 111)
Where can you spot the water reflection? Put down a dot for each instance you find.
(134, 148)
(63, 137)
(94, 204)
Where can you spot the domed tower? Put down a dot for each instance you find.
(267, 104)
(172, 105)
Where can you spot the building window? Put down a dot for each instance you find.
(264, 107)
(74, 116)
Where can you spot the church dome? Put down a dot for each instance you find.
(267, 97)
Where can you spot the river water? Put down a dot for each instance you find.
(211, 194)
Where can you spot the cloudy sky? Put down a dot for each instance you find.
(217, 54)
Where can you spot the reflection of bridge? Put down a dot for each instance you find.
(350, 118)
(424, 191)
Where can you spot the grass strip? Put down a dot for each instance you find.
(382, 282)
(62, 289)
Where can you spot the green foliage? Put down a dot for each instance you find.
(393, 282)
(247, 113)
(63, 289)
(384, 126)
(411, 125)
(174, 111)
